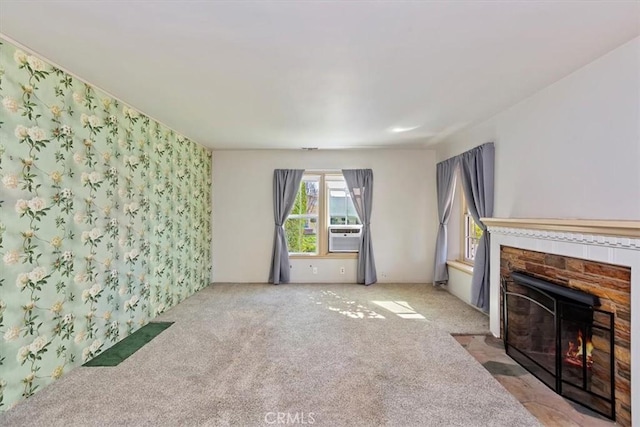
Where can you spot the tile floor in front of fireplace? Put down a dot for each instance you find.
(550, 408)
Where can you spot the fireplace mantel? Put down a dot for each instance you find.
(613, 242)
(577, 226)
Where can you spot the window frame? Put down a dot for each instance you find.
(323, 220)
(467, 224)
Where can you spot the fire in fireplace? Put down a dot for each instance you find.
(576, 352)
(561, 337)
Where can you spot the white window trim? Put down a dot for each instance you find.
(323, 220)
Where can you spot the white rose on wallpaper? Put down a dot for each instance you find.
(12, 334)
(160, 148)
(56, 241)
(95, 290)
(29, 233)
(95, 177)
(38, 344)
(132, 160)
(94, 121)
(95, 233)
(130, 112)
(85, 295)
(27, 89)
(57, 372)
(56, 176)
(23, 353)
(37, 274)
(10, 104)
(84, 177)
(85, 354)
(84, 119)
(78, 97)
(106, 156)
(66, 130)
(20, 57)
(21, 132)
(114, 274)
(122, 291)
(84, 237)
(22, 280)
(80, 336)
(79, 217)
(36, 134)
(131, 255)
(10, 181)
(11, 257)
(56, 307)
(80, 277)
(36, 64)
(37, 204)
(95, 346)
(55, 110)
(134, 300)
(67, 256)
(21, 206)
(78, 157)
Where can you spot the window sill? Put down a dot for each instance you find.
(350, 255)
(461, 266)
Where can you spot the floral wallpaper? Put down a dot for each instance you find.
(104, 222)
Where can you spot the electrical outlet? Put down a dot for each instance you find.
(315, 270)
(341, 270)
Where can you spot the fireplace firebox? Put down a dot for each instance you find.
(560, 336)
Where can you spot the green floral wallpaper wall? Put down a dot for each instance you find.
(105, 222)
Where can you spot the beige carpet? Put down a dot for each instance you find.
(327, 355)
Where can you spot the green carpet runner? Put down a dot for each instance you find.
(125, 348)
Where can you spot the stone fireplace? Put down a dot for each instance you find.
(600, 259)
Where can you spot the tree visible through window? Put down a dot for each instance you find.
(301, 226)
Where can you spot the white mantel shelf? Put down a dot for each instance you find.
(586, 226)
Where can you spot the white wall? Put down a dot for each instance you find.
(571, 150)
(403, 221)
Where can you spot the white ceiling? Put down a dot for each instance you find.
(320, 74)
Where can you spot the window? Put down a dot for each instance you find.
(341, 208)
(323, 201)
(301, 226)
(471, 234)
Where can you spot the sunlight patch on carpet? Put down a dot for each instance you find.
(125, 348)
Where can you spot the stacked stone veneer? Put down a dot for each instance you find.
(611, 283)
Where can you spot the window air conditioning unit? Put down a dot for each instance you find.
(344, 238)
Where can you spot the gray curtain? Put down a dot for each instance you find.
(360, 183)
(286, 183)
(446, 185)
(477, 167)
